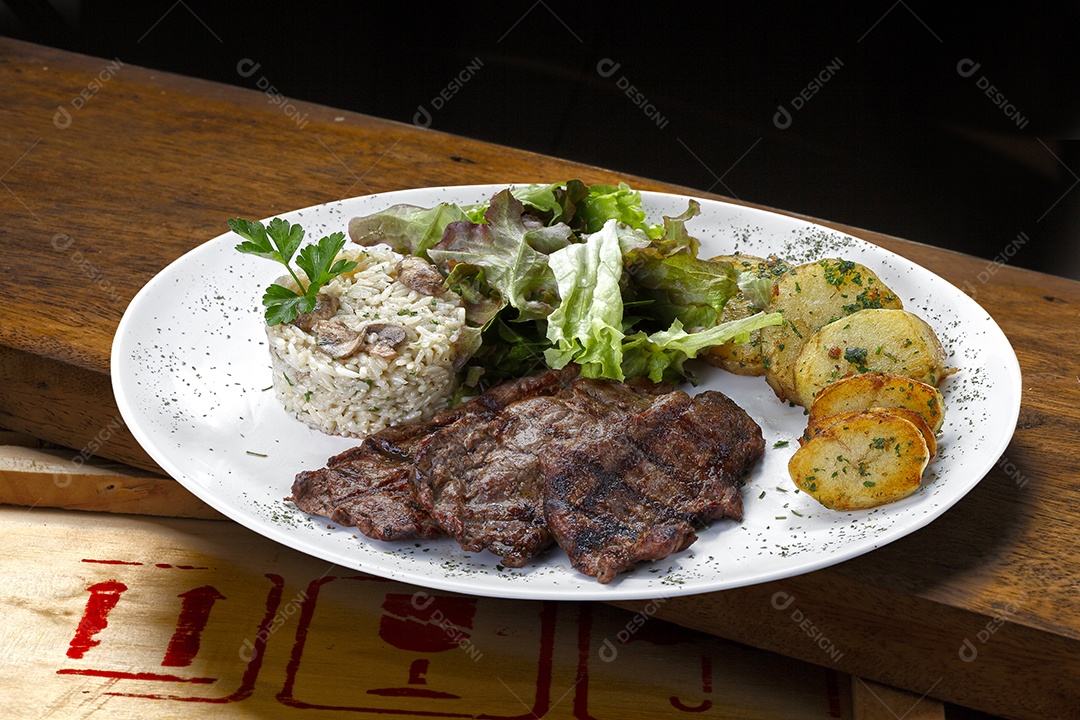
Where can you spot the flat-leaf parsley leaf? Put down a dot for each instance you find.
(279, 242)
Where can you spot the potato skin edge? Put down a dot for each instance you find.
(836, 489)
(866, 390)
(927, 364)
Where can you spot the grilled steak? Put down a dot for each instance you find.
(640, 489)
(480, 477)
(370, 486)
(480, 480)
(616, 473)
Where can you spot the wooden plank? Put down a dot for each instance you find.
(874, 701)
(67, 405)
(39, 473)
(837, 618)
(177, 618)
(58, 478)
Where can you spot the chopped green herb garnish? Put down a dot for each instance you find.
(279, 242)
(857, 357)
(836, 272)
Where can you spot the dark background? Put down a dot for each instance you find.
(893, 138)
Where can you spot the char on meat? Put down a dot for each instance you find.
(370, 486)
(615, 473)
(480, 477)
(640, 489)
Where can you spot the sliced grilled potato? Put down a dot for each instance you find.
(879, 389)
(744, 358)
(885, 340)
(738, 358)
(912, 416)
(810, 296)
(869, 458)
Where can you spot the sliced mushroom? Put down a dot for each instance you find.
(337, 339)
(384, 339)
(326, 307)
(418, 274)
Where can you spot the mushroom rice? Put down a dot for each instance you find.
(374, 352)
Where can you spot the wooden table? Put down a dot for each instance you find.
(110, 172)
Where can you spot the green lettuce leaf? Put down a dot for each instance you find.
(511, 350)
(682, 287)
(481, 302)
(550, 204)
(676, 239)
(611, 202)
(756, 288)
(661, 355)
(584, 208)
(407, 229)
(504, 247)
(586, 327)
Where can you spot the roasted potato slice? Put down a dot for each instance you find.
(879, 389)
(885, 340)
(810, 296)
(817, 427)
(744, 358)
(738, 358)
(869, 458)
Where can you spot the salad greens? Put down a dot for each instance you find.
(407, 229)
(511, 251)
(587, 326)
(279, 241)
(572, 273)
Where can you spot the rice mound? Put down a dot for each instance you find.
(358, 395)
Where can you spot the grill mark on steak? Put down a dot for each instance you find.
(639, 490)
(481, 479)
(708, 442)
(370, 486)
(603, 522)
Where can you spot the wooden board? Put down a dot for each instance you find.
(36, 474)
(177, 618)
(146, 169)
(871, 699)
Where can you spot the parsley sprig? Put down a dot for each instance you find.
(279, 241)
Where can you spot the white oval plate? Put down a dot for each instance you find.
(190, 370)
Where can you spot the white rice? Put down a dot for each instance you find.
(364, 393)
